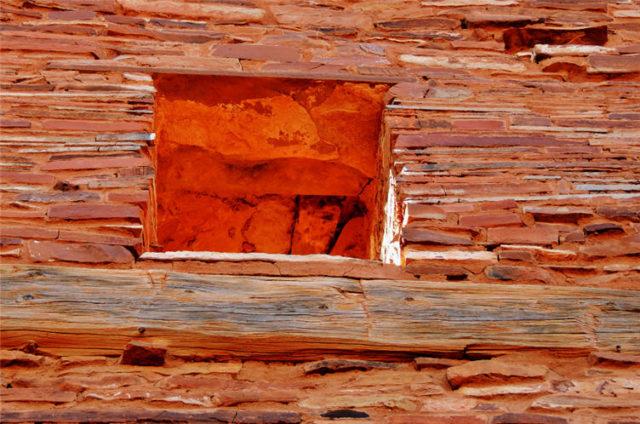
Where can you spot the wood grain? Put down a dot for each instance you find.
(97, 311)
(111, 66)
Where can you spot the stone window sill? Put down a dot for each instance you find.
(271, 264)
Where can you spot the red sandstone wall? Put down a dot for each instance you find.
(530, 388)
(514, 160)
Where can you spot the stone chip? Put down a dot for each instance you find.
(492, 371)
(138, 352)
(343, 365)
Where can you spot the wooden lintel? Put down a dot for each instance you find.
(110, 66)
(83, 311)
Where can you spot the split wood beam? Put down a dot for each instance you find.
(73, 311)
(210, 69)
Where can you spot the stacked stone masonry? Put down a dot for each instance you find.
(147, 384)
(511, 140)
(514, 138)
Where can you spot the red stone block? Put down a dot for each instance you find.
(604, 227)
(26, 178)
(490, 220)
(535, 235)
(514, 418)
(14, 123)
(509, 187)
(635, 238)
(415, 210)
(408, 90)
(422, 189)
(72, 15)
(458, 207)
(36, 395)
(520, 273)
(17, 358)
(138, 352)
(142, 414)
(51, 44)
(79, 236)
(517, 255)
(574, 149)
(493, 371)
(93, 126)
(620, 212)
(423, 419)
(58, 197)
(406, 122)
(420, 235)
(531, 121)
(614, 359)
(612, 248)
(43, 251)
(93, 211)
(478, 19)
(436, 363)
(446, 140)
(418, 23)
(423, 268)
(614, 63)
(31, 231)
(575, 236)
(626, 116)
(500, 204)
(557, 213)
(434, 123)
(130, 197)
(215, 12)
(96, 163)
(478, 124)
(10, 241)
(22, 214)
(260, 52)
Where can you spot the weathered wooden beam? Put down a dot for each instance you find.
(114, 66)
(78, 310)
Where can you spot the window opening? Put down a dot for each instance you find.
(269, 165)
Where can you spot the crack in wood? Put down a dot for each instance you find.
(99, 310)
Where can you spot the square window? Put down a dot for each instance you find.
(269, 165)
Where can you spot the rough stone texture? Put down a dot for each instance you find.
(435, 363)
(490, 220)
(47, 251)
(142, 353)
(511, 120)
(93, 211)
(103, 390)
(512, 418)
(613, 359)
(541, 235)
(15, 357)
(520, 273)
(492, 371)
(431, 237)
(40, 395)
(343, 365)
(513, 132)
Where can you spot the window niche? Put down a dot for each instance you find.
(269, 165)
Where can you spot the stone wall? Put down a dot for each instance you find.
(513, 125)
(148, 384)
